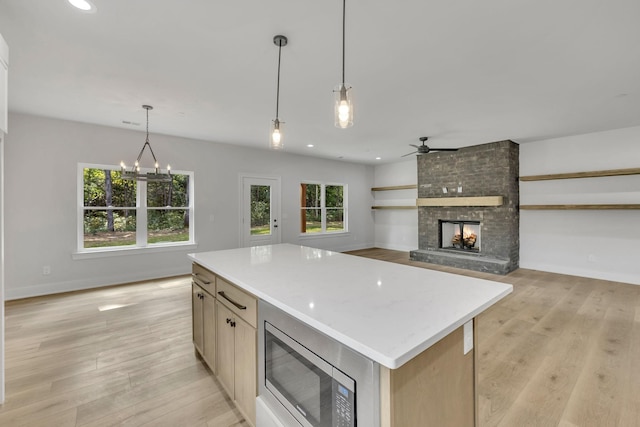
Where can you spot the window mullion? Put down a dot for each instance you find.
(323, 209)
(141, 214)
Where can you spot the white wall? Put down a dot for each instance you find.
(396, 229)
(41, 157)
(602, 244)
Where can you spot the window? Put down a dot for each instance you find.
(323, 208)
(117, 213)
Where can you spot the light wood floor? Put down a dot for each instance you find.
(116, 356)
(559, 351)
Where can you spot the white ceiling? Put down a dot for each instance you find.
(463, 72)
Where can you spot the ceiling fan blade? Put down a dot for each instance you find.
(443, 149)
(405, 155)
(413, 145)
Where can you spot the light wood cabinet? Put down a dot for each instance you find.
(435, 388)
(203, 314)
(237, 359)
(196, 314)
(226, 348)
(204, 325)
(224, 334)
(246, 362)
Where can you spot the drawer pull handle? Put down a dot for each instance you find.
(240, 306)
(200, 277)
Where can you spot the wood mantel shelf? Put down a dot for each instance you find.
(460, 201)
(396, 187)
(581, 207)
(592, 174)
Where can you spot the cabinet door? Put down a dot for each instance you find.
(245, 369)
(196, 310)
(225, 348)
(209, 330)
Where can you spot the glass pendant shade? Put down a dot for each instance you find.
(276, 135)
(343, 106)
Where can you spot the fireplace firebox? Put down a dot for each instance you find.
(460, 235)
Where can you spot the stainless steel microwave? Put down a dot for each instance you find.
(308, 379)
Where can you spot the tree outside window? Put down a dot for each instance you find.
(123, 213)
(322, 208)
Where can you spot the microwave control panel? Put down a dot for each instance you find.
(344, 413)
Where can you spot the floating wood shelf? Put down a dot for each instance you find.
(460, 201)
(394, 207)
(580, 207)
(396, 187)
(593, 174)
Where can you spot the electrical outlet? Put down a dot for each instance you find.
(46, 270)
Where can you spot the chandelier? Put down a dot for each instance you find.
(134, 173)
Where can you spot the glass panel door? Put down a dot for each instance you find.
(261, 205)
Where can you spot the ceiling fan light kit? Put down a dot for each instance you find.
(135, 174)
(275, 140)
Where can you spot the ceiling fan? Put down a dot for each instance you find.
(424, 149)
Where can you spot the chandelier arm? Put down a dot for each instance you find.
(155, 161)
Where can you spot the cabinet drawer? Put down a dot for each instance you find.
(204, 278)
(240, 302)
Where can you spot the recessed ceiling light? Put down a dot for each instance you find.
(84, 5)
(378, 158)
(309, 145)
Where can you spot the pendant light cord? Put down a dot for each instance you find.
(278, 85)
(344, 8)
(147, 140)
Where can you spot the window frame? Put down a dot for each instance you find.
(141, 210)
(323, 208)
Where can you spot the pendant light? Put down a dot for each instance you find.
(134, 173)
(343, 106)
(276, 128)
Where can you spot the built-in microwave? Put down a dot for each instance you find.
(308, 379)
(317, 393)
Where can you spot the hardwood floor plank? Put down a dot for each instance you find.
(159, 407)
(631, 409)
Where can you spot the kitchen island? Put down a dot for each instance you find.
(417, 324)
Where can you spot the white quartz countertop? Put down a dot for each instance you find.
(388, 312)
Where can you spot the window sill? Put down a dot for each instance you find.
(114, 252)
(323, 235)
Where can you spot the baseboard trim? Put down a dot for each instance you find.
(90, 283)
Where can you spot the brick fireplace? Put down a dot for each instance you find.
(469, 216)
